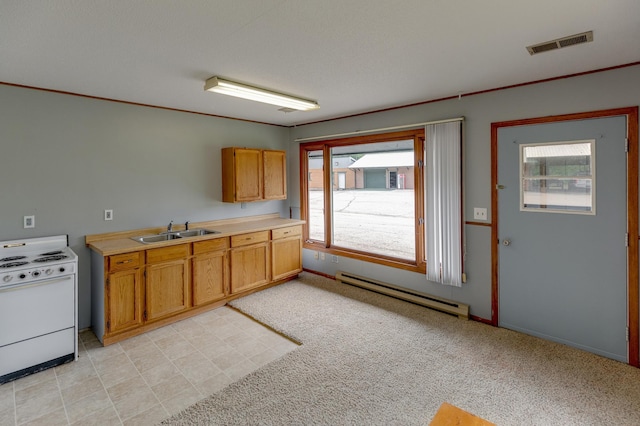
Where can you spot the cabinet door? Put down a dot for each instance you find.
(167, 289)
(124, 300)
(286, 257)
(249, 267)
(209, 277)
(246, 174)
(275, 175)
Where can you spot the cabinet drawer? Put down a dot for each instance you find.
(252, 238)
(289, 231)
(167, 253)
(121, 262)
(210, 245)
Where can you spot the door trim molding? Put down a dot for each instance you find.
(631, 113)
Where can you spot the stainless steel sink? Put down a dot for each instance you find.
(167, 236)
(147, 239)
(196, 232)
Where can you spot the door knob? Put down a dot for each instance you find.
(506, 242)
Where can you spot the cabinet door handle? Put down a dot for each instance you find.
(123, 262)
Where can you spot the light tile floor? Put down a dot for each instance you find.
(144, 379)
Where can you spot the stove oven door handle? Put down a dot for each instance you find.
(36, 284)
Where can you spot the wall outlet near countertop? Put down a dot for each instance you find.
(29, 222)
(108, 214)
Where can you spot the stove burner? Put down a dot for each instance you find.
(49, 259)
(12, 264)
(51, 253)
(9, 259)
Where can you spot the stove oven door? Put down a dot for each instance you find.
(37, 322)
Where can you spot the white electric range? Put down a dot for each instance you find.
(38, 305)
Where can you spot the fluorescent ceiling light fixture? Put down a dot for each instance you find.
(227, 87)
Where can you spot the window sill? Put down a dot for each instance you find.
(406, 265)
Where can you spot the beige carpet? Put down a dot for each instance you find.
(369, 359)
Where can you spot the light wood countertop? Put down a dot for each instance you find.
(120, 242)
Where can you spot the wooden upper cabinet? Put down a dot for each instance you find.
(275, 175)
(250, 174)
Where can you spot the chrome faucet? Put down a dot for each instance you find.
(170, 227)
(186, 226)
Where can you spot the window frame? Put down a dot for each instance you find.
(418, 264)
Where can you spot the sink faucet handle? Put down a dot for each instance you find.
(186, 226)
(170, 227)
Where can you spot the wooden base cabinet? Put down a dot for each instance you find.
(286, 252)
(124, 298)
(167, 281)
(139, 291)
(210, 271)
(249, 258)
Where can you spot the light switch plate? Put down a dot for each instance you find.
(479, 213)
(108, 214)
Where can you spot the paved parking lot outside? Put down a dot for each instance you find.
(377, 221)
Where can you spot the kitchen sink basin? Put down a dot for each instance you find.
(196, 232)
(147, 239)
(168, 236)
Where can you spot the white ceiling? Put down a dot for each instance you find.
(352, 56)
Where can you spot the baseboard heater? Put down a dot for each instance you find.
(451, 307)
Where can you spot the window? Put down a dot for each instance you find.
(363, 197)
(558, 177)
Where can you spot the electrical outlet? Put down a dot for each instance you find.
(334, 259)
(322, 256)
(29, 222)
(108, 214)
(315, 255)
(479, 213)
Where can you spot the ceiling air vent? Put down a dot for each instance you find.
(561, 42)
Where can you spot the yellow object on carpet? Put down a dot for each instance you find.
(449, 415)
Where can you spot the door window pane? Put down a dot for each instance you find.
(558, 177)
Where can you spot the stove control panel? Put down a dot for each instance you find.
(37, 273)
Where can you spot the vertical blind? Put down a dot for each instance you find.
(443, 198)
